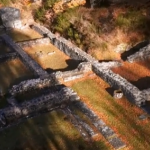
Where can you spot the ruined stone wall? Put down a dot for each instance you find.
(53, 79)
(142, 54)
(64, 45)
(132, 93)
(25, 58)
(46, 102)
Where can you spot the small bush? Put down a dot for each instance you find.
(61, 24)
(39, 14)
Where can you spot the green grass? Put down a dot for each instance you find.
(47, 132)
(119, 115)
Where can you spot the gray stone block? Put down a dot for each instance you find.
(117, 143)
(10, 17)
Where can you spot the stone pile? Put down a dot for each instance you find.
(10, 17)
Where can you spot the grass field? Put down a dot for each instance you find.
(50, 58)
(47, 132)
(12, 72)
(120, 115)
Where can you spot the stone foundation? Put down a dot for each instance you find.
(53, 79)
(132, 93)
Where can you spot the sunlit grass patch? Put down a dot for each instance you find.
(120, 115)
(50, 58)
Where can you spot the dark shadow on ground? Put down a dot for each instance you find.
(110, 91)
(71, 65)
(143, 83)
(46, 132)
(146, 107)
(133, 50)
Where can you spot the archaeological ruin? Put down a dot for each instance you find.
(53, 94)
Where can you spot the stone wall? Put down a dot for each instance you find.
(142, 54)
(64, 45)
(132, 93)
(46, 102)
(53, 79)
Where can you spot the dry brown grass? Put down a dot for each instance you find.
(133, 71)
(51, 57)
